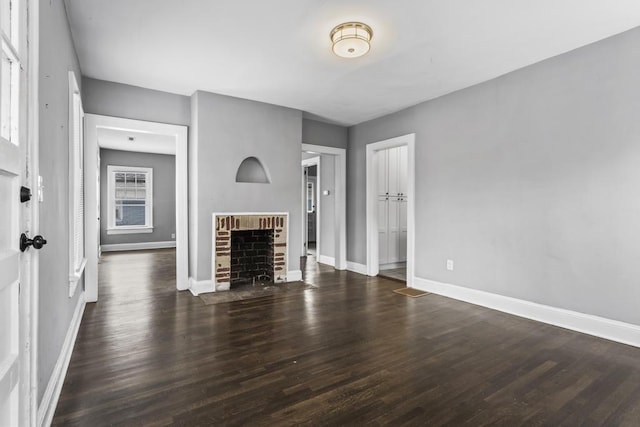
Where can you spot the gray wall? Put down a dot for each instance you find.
(327, 206)
(132, 102)
(320, 133)
(57, 58)
(224, 132)
(164, 195)
(529, 182)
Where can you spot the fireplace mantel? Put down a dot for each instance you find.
(225, 223)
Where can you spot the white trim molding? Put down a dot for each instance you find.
(197, 287)
(137, 246)
(328, 260)
(613, 330)
(52, 393)
(93, 124)
(340, 181)
(356, 267)
(408, 140)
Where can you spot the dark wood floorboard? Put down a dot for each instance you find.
(350, 352)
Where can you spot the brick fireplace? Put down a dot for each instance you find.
(259, 243)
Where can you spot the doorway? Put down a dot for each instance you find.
(391, 177)
(133, 136)
(391, 208)
(330, 204)
(311, 210)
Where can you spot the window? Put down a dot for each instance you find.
(77, 259)
(10, 70)
(130, 199)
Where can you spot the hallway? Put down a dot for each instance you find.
(349, 352)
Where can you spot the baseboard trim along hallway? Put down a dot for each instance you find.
(613, 330)
(47, 407)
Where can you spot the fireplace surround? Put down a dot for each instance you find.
(224, 224)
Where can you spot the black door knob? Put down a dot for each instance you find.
(37, 242)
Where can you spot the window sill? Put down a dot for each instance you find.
(133, 230)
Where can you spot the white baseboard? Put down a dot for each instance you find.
(357, 268)
(198, 287)
(613, 330)
(328, 260)
(137, 246)
(47, 407)
(294, 275)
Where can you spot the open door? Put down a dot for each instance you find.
(17, 216)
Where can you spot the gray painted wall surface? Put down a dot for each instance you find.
(55, 311)
(132, 102)
(225, 131)
(164, 195)
(529, 182)
(327, 206)
(320, 133)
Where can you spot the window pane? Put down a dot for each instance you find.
(141, 194)
(130, 193)
(131, 215)
(5, 95)
(141, 179)
(119, 178)
(130, 179)
(120, 193)
(5, 13)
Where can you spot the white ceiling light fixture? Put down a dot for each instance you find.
(351, 39)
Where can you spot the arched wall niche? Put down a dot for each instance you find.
(251, 170)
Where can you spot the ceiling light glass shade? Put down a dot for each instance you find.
(351, 39)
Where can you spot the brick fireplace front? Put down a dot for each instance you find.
(224, 261)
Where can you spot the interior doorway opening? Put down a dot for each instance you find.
(128, 214)
(391, 166)
(311, 208)
(330, 203)
(391, 207)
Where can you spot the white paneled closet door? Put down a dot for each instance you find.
(392, 205)
(383, 235)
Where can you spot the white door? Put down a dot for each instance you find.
(383, 235)
(382, 172)
(393, 171)
(16, 406)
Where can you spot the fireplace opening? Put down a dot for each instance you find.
(251, 257)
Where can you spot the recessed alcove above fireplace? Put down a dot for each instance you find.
(248, 247)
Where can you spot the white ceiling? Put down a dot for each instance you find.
(144, 142)
(278, 51)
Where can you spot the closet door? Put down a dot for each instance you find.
(383, 224)
(393, 174)
(402, 243)
(402, 170)
(383, 172)
(394, 229)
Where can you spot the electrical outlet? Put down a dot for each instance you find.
(450, 264)
(173, 235)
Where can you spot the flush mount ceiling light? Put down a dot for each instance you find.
(351, 39)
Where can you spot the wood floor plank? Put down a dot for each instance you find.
(350, 352)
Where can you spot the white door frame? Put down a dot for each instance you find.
(340, 180)
(372, 198)
(313, 161)
(94, 122)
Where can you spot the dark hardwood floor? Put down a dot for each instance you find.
(351, 352)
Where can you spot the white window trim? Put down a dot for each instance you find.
(76, 187)
(112, 228)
